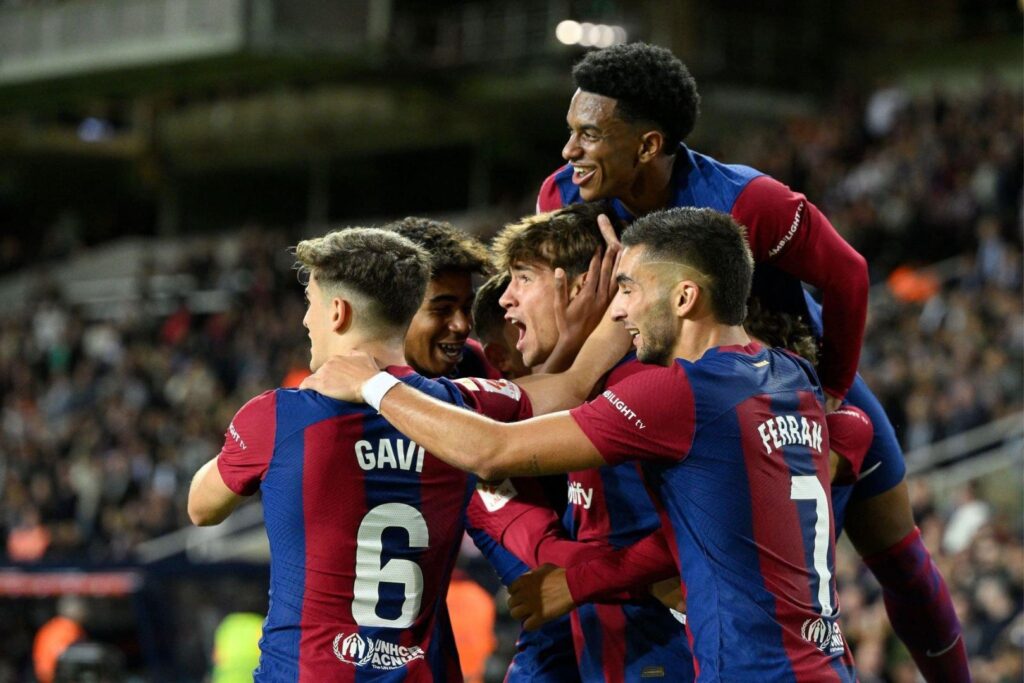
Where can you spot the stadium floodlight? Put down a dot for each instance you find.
(569, 32)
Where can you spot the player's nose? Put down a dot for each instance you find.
(572, 150)
(460, 323)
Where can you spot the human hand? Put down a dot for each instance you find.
(832, 403)
(670, 593)
(575, 319)
(537, 597)
(342, 377)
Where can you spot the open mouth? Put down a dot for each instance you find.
(582, 174)
(451, 352)
(521, 328)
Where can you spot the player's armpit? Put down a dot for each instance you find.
(210, 501)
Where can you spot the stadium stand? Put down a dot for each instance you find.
(121, 362)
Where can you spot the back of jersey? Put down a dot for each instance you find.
(752, 524)
(364, 527)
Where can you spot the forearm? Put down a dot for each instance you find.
(829, 263)
(606, 577)
(843, 317)
(603, 349)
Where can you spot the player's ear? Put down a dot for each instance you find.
(341, 314)
(686, 298)
(577, 284)
(651, 144)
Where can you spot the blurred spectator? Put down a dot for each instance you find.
(472, 613)
(56, 635)
(236, 651)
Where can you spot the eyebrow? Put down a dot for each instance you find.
(622, 279)
(442, 298)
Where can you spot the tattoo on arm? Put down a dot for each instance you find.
(534, 465)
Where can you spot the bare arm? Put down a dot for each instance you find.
(210, 501)
(491, 450)
(603, 349)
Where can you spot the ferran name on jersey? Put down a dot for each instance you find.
(395, 454)
(785, 430)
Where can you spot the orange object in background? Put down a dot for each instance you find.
(294, 378)
(911, 285)
(472, 614)
(53, 638)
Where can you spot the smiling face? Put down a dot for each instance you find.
(602, 148)
(441, 326)
(642, 305)
(529, 303)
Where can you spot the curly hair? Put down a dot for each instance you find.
(387, 272)
(781, 330)
(566, 238)
(649, 83)
(449, 248)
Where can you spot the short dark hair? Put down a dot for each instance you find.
(781, 330)
(565, 238)
(488, 314)
(388, 271)
(708, 241)
(649, 83)
(449, 248)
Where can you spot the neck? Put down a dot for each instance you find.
(652, 188)
(385, 352)
(698, 336)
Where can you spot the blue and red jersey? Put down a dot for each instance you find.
(631, 640)
(791, 240)
(735, 448)
(364, 526)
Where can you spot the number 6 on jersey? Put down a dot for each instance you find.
(370, 574)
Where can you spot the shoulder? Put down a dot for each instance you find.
(850, 428)
(498, 399)
(259, 409)
(556, 189)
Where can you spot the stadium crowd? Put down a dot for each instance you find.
(104, 421)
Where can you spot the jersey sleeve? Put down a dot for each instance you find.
(646, 416)
(498, 399)
(549, 197)
(633, 568)
(850, 433)
(249, 444)
(787, 230)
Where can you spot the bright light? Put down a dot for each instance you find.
(589, 33)
(571, 32)
(568, 32)
(605, 36)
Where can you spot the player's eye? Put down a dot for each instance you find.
(589, 136)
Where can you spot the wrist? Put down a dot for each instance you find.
(376, 387)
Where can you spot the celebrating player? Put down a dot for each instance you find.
(438, 343)
(633, 108)
(732, 439)
(364, 524)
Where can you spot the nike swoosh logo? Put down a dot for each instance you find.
(929, 653)
(869, 470)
